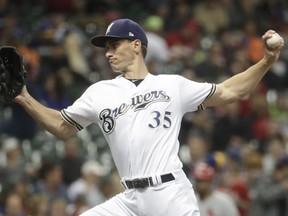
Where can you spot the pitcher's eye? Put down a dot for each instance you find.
(112, 45)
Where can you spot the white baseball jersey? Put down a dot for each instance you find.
(140, 123)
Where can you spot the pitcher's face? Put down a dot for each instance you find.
(120, 54)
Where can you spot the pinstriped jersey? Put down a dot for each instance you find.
(140, 123)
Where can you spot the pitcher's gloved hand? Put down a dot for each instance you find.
(12, 73)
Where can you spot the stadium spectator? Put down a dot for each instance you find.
(210, 200)
(38, 205)
(50, 182)
(228, 125)
(217, 20)
(158, 54)
(269, 197)
(72, 161)
(13, 169)
(13, 206)
(89, 184)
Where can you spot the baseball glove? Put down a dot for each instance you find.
(12, 73)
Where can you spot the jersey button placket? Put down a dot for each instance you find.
(133, 134)
(132, 145)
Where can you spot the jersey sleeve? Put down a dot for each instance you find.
(192, 94)
(80, 113)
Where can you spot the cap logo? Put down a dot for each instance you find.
(109, 28)
(131, 34)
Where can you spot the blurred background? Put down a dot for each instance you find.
(243, 145)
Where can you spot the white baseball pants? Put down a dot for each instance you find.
(173, 198)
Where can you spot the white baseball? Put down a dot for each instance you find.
(274, 41)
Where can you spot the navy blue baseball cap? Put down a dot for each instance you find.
(121, 29)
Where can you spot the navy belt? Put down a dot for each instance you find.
(146, 182)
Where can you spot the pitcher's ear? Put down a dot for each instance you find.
(137, 45)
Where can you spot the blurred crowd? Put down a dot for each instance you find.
(236, 156)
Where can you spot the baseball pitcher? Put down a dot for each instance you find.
(140, 115)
